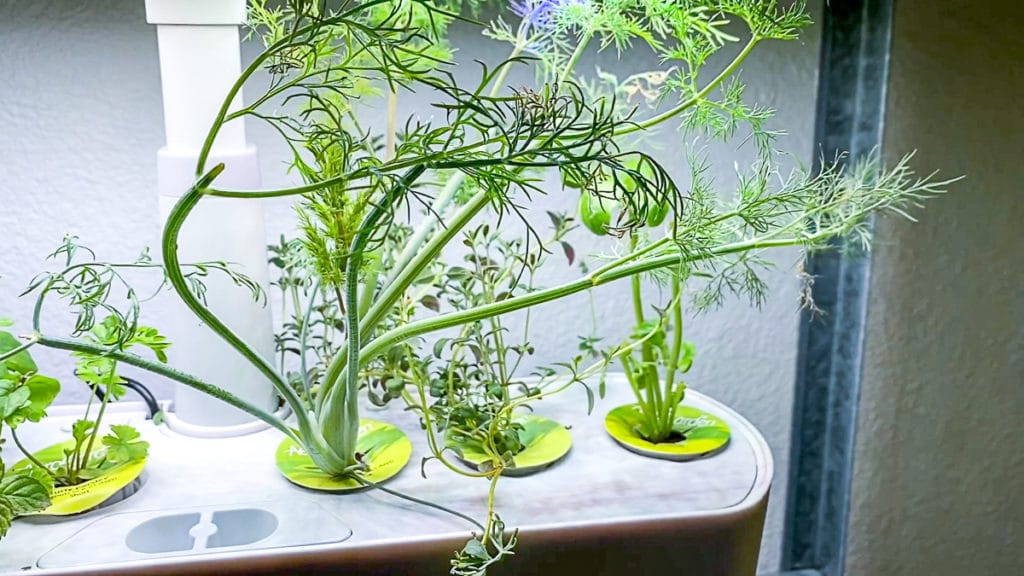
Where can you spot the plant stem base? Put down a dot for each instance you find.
(384, 449)
(703, 433)
(545, 443)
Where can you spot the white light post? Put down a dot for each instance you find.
(200, 57)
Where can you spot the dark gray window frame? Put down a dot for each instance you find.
(854, 66)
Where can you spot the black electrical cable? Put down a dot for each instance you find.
(141, 390)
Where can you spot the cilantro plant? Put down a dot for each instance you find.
(485, 154)
(24, 396)
(87, 459)
(103, 322)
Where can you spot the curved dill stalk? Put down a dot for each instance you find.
(303, 335)
(169, 244)
(172, 373)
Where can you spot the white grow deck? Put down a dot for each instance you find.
(602, 510)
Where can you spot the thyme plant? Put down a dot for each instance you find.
(483, 155)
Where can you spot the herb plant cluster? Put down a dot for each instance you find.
(372, 301)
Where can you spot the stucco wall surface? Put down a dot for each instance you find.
(940, 453)
(80, 123)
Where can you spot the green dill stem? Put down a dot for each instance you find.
(297, 306)
(397, 287)
(176, 375)
(677, 347)
(651, 385)
(409, 270)
(416, 328)
(32, 340)
(303, 335)
(441, 202)
(392, 131)
(633, 255)
(575, 57)
(369, 287)
(675, 111)
(28, 455)
(340, 422)
(172, 230)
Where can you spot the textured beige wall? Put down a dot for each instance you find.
(939, 480)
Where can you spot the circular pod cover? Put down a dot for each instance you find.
(545, 442)
(108, 487)
(385, 450)
(701, 433)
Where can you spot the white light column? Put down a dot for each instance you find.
(200, 58)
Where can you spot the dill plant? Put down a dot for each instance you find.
(370, 269)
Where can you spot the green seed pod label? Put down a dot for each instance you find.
(68, 500)
(696, 433)
(384, 448)
(545, 442)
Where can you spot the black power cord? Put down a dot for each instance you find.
(139, 389)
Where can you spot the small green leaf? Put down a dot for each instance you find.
(123, 444)
(475, 549)
(687, 353)
(42, 476)
(6, 515)
(431, 303)
(14, 398)
(439, 346)
(152, 339)
(24, 493)
(42, 391)
(81, 429)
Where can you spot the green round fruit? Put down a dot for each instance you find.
(595, 213)
(656, 213)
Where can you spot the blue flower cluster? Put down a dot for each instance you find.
(541, 13)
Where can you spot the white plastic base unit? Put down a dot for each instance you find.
(602, 510)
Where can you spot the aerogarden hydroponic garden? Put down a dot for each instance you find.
(409, 429)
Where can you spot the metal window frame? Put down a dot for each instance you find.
(854, 67)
